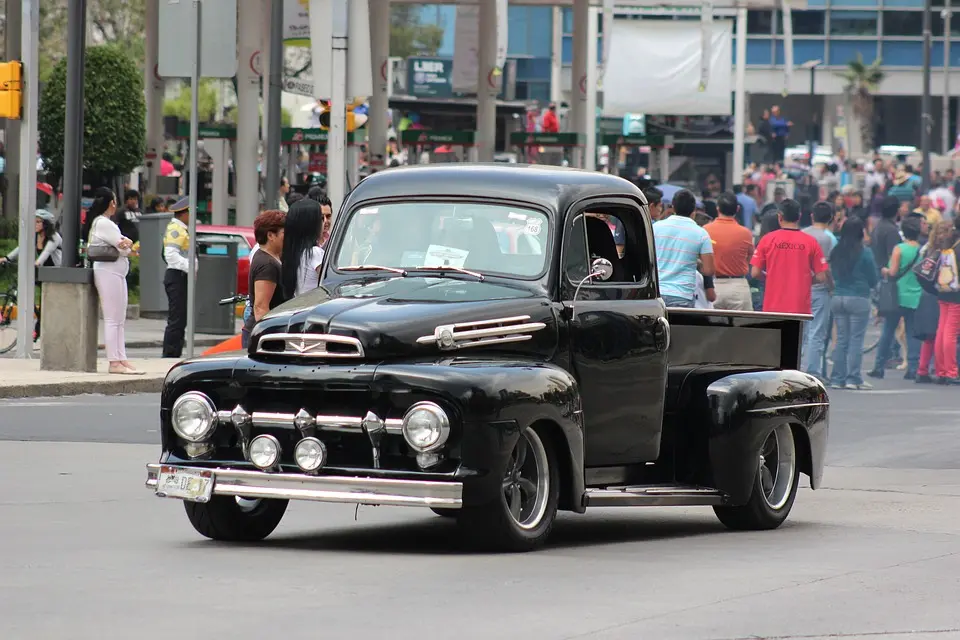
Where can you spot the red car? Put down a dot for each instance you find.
(245, 242)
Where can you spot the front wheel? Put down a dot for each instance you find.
(8, 324)
(774, 489)
(235, 519)
(521, 517)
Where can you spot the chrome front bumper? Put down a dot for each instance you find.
(345, 489)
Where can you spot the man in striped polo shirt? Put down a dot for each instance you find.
(682, 247)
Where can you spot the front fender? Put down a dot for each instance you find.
(745, 407)
(496, 398)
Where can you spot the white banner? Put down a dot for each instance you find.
(296, 23)
(668, 81)
(502, 32)
(466, 51)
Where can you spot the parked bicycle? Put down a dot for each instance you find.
(8, 321)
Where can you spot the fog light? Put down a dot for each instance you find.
(310, 454)
(265, 452)
(428, 460)
(426, 427)
(197, 450)
(193, 416)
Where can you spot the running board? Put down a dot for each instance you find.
(652, 496)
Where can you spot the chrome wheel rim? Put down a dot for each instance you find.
(526, 482)
(247, 504)
(777, 467)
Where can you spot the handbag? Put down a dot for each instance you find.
(102, 252)
(888, 298)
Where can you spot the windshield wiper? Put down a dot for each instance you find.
(373, 267)
(446, 267)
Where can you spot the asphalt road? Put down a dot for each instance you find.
(88, 553)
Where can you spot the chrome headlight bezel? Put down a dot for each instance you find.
(266, 437)
(442, 423)
(209, 421)
(323, 454)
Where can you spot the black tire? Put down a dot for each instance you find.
(761, 513)
(446, 513)
(8, 326)
(223, 518)
(493, 526)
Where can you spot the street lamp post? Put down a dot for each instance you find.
(925, 119)
(812, 139)
(946, 14)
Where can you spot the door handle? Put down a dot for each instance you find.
(662, 334)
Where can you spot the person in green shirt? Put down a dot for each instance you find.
(904, 256)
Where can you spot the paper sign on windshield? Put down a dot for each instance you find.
(441, 256)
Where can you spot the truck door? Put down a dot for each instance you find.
(618, 331)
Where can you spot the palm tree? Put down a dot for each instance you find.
(862, 81)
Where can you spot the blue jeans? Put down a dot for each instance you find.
(815, 333)
(677, 301)
(852, 314)
(244, 334)
(887, 340)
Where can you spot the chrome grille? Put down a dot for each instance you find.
(310, 345)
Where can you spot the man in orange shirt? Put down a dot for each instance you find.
(732, 249)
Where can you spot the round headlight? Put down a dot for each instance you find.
(310, 454)
(426, 427)
(193, 416)
(265, 452)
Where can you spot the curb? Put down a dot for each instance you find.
(145, 384)
(157, 344)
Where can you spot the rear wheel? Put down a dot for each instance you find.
(8, 324)
(235, 519)
(521, 517)
(774, 489)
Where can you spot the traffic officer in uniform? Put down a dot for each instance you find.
(176, 251)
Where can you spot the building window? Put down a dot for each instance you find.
(805, 23)
(853, 23)
(760, 23)
(903, 23)
(937, 23)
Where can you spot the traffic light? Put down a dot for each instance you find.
(354, 120)
(11, 98)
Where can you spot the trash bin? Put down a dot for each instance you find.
(153, 297)
(216, 279)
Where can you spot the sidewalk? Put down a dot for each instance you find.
(24, 379)
(144, 333)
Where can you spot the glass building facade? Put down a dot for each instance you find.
(837, 31)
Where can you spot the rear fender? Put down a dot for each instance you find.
(745, 407)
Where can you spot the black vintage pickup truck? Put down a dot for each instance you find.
(479, 346)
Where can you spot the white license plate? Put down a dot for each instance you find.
(189, 484)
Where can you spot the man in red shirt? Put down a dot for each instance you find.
(792, 260)
(550, 123)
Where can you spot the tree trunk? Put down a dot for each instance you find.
(863, 105)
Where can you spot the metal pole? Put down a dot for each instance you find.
(337, 140)
(739, 106)
(11, 198)
(29, 55)
(813, 115)
(154, 96)
(926, 120)
(945, 117)
(73, 132)
(194, 168)
(272, 150)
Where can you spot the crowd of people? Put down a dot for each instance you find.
(837, 256)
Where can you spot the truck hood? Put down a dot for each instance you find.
(398, 317)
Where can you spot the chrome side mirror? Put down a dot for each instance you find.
(602, 269)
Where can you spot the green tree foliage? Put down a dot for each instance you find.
(410, 37)
(207, 105)
(114, 113)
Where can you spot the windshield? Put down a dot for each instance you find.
(483, 238)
